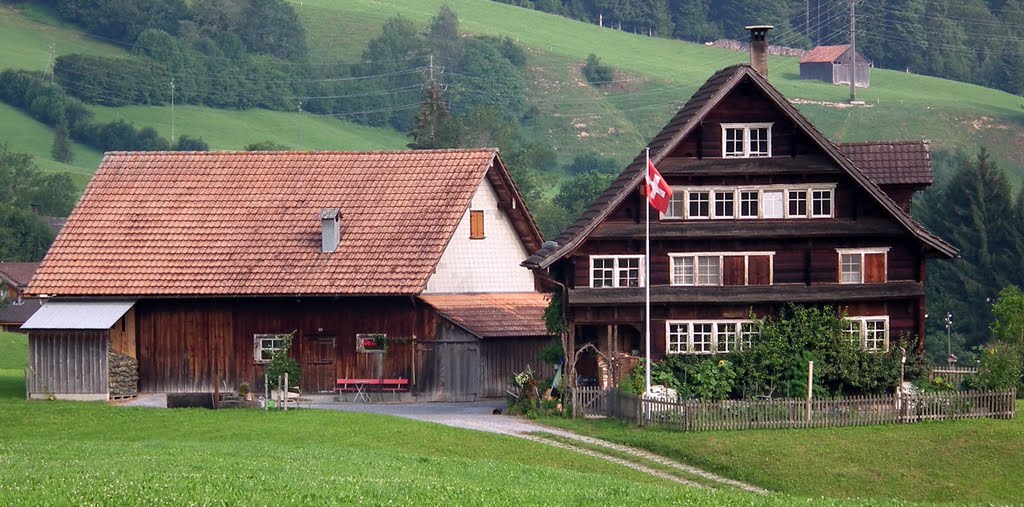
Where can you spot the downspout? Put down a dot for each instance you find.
(570, 371)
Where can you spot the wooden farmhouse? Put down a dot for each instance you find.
(195, 267)
(765, 211)
(15, 309)
(831, 64)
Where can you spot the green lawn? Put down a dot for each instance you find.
(27, 33)
(962, 461)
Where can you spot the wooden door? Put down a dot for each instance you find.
(318, 371)
(874, 268)
(759, 270)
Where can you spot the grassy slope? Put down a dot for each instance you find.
(905, 106)
(25, 36)
(138, 456)
(960, 461)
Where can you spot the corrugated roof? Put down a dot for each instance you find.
(824, 54)
(706, 97)
(18, 272)
(248, 223)
(494, 315)
(78, 315)
(892, 162)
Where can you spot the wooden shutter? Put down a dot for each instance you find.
(476, 224)
(874, 268)
(759, 270)
(733, 270)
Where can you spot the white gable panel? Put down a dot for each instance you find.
(483, 265)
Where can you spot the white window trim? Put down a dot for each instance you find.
(863, 320)
(615, 270)
(258, 345)
(840, 252)
(714, 335)
(721, 274)
(746, 138)
(684, 191)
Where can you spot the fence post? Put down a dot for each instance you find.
(810, 387)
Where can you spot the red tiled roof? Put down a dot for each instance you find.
(494, 315)
(19, 272)
(248, 223)
(824, 54)
(892, 162)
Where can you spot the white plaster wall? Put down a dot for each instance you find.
(483, 265)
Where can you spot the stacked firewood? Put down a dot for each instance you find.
(124, 374)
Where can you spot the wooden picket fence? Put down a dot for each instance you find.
(954, 375)
(698, 415)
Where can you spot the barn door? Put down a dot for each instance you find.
(318, 371)
(449, 371)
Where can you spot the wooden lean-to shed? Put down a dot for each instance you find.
(831, 64)
(224, 257)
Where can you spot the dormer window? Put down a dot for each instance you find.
(745, 140)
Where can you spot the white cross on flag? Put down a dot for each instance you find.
(658, 191)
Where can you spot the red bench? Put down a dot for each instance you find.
(361, 386)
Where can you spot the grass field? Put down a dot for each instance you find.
(958, 462)
(61, 453)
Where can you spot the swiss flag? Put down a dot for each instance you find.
(658, 191)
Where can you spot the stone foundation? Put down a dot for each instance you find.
(124, 374)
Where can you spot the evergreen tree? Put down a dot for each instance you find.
(692, 21)
(443, 38)
(61, 149)
(435, 127)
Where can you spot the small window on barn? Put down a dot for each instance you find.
(265, 345)
(476, 224)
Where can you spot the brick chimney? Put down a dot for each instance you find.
(759, 48)
(330, 219)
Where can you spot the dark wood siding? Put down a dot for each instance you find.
(72, 363)
(502, 358)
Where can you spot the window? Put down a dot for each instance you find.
(797, 203)
(476, 224)
(849, 268)
(773, 204)
(862, 265)
(700, 204)
(682, 271)
(821, 203)
(675, 205)
(741, 140)
(709, 270)
(725, 204)
(718, 268)
(869, 333)
(616, 271)
(748, 203)
(265, 345)
(709, 337)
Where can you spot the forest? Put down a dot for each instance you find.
(975, 41)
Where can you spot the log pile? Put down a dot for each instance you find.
(124, 374)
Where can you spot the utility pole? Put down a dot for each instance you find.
(431, 67)
(949, 340)
(298, 126)
(172, 111)
(807, 18)
(53, 60)
(853, 50)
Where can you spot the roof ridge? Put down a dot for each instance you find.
(301, 152)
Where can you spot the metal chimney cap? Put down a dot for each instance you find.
(329, 213)
(759, 27)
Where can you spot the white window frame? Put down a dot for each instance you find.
(684, 201)
(693, 256)
(617, 269)
(264, 343)
(681, 342)
(831, 202)
(746, 142)
(862, 339)
(859, 252)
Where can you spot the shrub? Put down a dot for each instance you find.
(597, 73)
(281, 363)
(1000, 368)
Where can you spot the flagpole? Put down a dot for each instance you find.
(647, 278)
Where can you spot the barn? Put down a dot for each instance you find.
(185, 271)
(831, 64)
